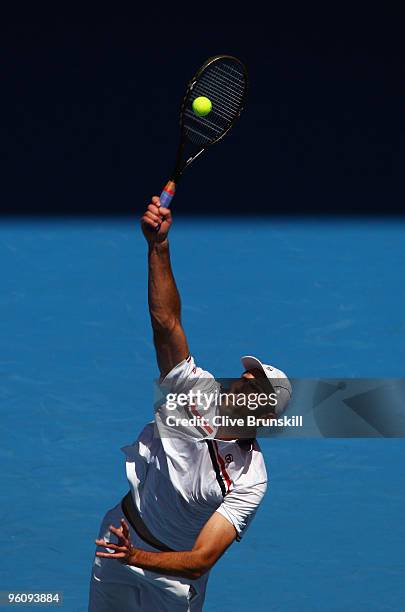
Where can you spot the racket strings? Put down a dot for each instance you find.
(227, 99)
(206, 123)
(224, 83)
(224, 101)
(233, 87)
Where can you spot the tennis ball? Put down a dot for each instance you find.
(202, 106)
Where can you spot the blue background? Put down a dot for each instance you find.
(316, 298)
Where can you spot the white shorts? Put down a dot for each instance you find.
(115, 586)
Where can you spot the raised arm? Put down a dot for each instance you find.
(163, 296)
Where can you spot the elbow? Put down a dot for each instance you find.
(164, 324)
(194, 574)
(200, 567)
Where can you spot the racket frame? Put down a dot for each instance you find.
(170, 188)
(180, 166)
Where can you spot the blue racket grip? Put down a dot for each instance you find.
(167, 194)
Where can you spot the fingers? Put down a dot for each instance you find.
(156, 221)
(125, 529)
(151, 215)
(110, 546)
(150, 222)
(111, 555)
(116, 531)
(165, 217)
(102, 543)
(157, 212)
(154, 209)
(155, 203)
(120, 552)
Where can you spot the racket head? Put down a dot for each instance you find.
(224, 80)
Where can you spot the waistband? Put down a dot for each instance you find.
(134, 519)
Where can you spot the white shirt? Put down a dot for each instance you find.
(180, 477)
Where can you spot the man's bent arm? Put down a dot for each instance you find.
(163, 296)
(214, 538)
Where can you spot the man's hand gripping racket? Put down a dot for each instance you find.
(156, 221)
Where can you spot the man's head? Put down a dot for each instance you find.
(261, 392)
(264, 378)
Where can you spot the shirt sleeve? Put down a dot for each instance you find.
(240, 506)
(187, 394)
(184, 376)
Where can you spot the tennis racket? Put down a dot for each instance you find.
(223, 80)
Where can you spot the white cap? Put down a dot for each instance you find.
(278, 380)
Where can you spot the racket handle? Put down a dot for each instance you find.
(167, 194)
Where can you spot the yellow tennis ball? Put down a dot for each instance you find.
(202, 106)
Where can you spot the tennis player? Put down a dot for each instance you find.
(193, 489)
